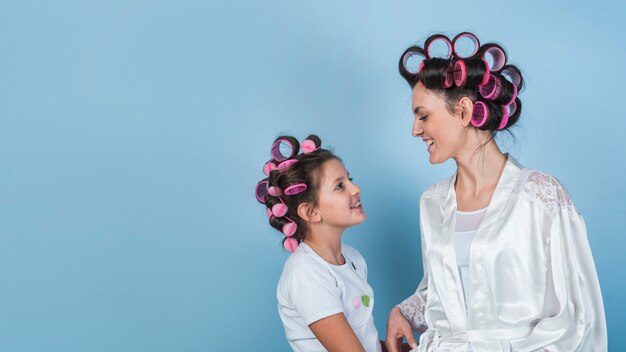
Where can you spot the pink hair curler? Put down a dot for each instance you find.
(289, 228)
(277, 154)
(285, 164)
(279, 209)
(514, 95)
(460, 73)
(413, 60)
(295, 189)
(268, 167)
(512, 75)
(275, 191)
(497, 55)
(491, 89)
(290, 244)
(505, 118)
(436, 39)
(268, 212)
(511, 108)
(480, 113)
(261, 191)
(463, 40)
(308, 146)
(449, 80)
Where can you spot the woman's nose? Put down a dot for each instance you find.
(417, 128)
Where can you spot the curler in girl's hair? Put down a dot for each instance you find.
(289, 228)
(268, 167)
(461, 40)
(480, 113)
(279, 209)
(295, 189)
(286, 142)
(471, 72)
(438, 38)
(285, 164)
(496, 54)
(290, 244)
(261, 190)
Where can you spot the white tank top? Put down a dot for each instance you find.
(467, 223)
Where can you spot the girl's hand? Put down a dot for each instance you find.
(397, 329)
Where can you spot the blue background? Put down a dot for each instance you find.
(132, 134)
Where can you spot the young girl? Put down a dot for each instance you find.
(324, 300)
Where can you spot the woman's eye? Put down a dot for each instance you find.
(423, 118)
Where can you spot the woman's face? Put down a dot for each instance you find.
(339, 200)
(442, 131)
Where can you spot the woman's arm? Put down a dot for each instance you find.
(335, 334)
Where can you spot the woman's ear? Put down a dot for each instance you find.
(466, 106)
(308, 213)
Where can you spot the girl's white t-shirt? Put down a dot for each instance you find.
(311, 289)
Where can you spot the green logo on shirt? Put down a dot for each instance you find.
(366, 300)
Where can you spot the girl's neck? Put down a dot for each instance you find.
(327, 246)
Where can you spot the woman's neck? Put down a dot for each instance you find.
(478, 173)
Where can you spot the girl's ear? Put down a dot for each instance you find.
(308, 213)
(466, 108)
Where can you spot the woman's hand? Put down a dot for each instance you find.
(397, 329)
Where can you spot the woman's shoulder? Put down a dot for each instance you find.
(542, 189)
(439, 189)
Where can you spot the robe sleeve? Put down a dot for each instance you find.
(413, 308)
(574, 310)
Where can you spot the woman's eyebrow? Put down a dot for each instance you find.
(417, 109)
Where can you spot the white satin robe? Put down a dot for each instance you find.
(532, 280)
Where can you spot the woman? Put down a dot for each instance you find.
(507, 265)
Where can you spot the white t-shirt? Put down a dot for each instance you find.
(310, 289)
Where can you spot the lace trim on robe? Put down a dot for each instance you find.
(412, 309)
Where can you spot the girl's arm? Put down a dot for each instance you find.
(335, 334)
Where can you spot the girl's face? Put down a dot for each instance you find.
(442, 131)
(339, 201)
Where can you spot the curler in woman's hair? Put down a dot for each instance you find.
(284, 142)
(491, 89)
(471, 72)
(413, 60)
(438, 39)
(514, 96)
(496, 54)
(462, 41)
(505, 118)
(268, 212)
(512, 74)
(449, 80)
(261, 190)
(480, 113)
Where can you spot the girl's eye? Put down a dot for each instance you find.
(339, 185)
(423, 118)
